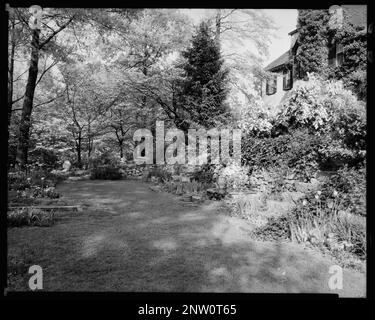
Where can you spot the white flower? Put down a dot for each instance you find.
(304, 202)
(335, 193)
(317, 197)
(319, 193)
(42, 178)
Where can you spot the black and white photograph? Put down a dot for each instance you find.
(186, 150)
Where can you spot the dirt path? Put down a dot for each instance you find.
(139, 240)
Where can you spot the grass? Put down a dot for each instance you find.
(139, 240)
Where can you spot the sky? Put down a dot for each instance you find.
(285, 21)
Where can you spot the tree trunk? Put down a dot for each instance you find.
(121, 150)
(10, 73)
(79, 150)
(24, 129)
(218, 27)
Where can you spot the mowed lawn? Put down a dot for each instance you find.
(132, 239)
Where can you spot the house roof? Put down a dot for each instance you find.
(283, 59)
(293, 32)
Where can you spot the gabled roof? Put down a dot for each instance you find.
(293, 32)
(280, 61)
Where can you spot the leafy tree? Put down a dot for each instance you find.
(44, 40)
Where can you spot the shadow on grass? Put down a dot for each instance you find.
(149, 241)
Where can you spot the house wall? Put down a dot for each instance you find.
(272, 101)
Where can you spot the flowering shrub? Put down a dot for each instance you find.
(248, 107)
(232, 176)
(297, 150)
(320, 105)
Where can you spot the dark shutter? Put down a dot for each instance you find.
(288, 79)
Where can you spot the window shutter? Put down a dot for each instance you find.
(271, 86)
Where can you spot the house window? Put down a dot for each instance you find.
(335, 55)
(332, 55)
(288, 79)
(339, 54)
(271, 85)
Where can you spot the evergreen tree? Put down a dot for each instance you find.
(203, 90)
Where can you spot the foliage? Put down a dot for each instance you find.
(162, 173)
(20, 180)
(320, 221)
(104, 158)
(315, 33)
(297, 150)
(249, 207)
(205, 174)
(179, 187)
(45, 158)
(106, 173)
(248, 108)
(353, 70)
(29, 217)
(276, 229)
(350, 183)
(325, 107)
(231, 176)
(312, 52)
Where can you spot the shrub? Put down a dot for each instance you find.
(178, 187)
(297, 150)
(232, 176)
(161, 173)
(43, 157)
(205, 174)
(351, 184)
(21, 180)
(276, 229)
(30, 217)
(104, 158)
(326, 107)
(106, 173)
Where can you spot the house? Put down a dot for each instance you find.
(285, 69)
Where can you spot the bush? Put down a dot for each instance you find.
(30, 217)
(20, 180)
(44, 158)
(232, 176)
(205, 174)
(317, 104)
(106, 173)
(276, 229)
(104, 158)
(322, 222)
(325, 107)
(161, 173)
(297, 150)
(351, 184)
